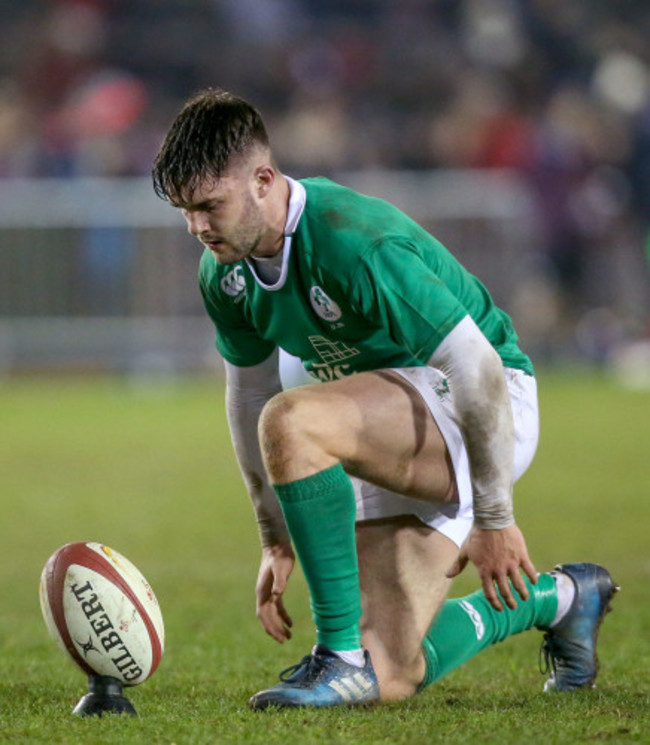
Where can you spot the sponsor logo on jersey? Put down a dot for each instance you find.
(333, 355)
(234, 284)
(324, 306)
(475, 617)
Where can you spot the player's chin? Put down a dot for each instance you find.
(226, 255)
(223, 256)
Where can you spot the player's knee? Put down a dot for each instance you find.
(283, 428)
(278, 420)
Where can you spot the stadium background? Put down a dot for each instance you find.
(518, 131)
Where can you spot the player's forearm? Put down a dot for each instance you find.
(486, 423)
(475, 375)
(247, 391)
(242, 420)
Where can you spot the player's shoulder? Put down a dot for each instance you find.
(328, 197)
(338, 216)
(353, 226)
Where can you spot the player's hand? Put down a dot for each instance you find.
(275, 569)
(499, 556)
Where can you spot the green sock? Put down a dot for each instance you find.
(466, 626)
(320, 514)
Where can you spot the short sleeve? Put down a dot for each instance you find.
(236, 339)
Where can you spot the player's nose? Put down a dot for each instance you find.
(197, 223)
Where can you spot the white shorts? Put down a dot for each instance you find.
(453, 520)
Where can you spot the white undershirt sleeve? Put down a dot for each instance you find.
(247, 391)
(475, 375)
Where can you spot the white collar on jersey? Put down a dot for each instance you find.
(297, 202)
(272, 273)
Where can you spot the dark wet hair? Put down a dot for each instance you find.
(211, 127)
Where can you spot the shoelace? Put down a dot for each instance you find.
(313, 663)
(546, 660)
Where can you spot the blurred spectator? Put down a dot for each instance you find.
(557, 91)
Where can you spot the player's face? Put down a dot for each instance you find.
(226, 217)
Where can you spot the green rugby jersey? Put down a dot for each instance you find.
(366, 288)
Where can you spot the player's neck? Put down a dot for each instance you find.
(278, 210)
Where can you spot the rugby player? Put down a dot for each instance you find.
(396, 466)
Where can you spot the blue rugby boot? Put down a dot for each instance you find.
(321, 679)
(569, 648)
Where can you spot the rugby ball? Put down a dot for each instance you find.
(101, 611)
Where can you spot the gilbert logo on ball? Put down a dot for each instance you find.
(101, 611)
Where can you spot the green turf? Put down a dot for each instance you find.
(148, 470)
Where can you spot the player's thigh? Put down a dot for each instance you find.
(402, 568)
(376, 424)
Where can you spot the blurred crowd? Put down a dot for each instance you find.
(557, 90)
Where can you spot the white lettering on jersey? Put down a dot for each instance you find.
(332, 354)
(234, 284)
(324, 306)
(328, 373)
(475, 617)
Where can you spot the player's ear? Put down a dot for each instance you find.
(264, 179)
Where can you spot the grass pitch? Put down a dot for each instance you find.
(148, 469)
